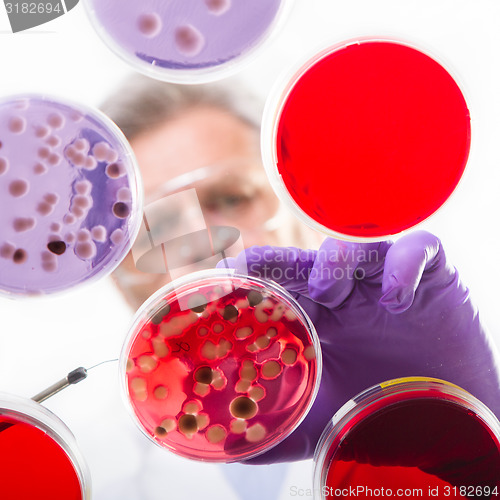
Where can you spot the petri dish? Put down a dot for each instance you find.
(367, 139)
(220, 367)
(39, 458)
(186, 41)
(414, 436)
(71, 195)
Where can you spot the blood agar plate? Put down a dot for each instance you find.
(367, 139)
(220, 367)
(186, 41)
(414, 434)
(39, 457)
(70, 195)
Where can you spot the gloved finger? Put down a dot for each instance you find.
(404, 266)
(289, 267)
(227, 263)
(339, 265)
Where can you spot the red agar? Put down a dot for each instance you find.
(221, 381)
(33, 465)
(373, 138)
(423, 445)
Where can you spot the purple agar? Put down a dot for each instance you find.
(64, 173)
(185, 40)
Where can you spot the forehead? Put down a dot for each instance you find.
(193, 139)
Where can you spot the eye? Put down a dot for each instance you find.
(227, 202)
(232, 200)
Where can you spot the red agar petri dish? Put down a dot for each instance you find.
(39, 458)
(220, 367)
(367, 139)
(415, 437)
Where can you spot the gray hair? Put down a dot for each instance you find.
(142, 103)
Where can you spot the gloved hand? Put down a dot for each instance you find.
(382, 311)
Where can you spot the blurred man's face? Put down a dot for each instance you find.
(218, 155)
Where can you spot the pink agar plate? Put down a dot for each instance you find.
(186, 41)
(220, 367)
(70, 195)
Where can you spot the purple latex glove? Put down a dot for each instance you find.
(382, 311)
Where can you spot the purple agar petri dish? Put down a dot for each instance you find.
(186, 41)
(414, 437)
(70, 195)
(220, 367)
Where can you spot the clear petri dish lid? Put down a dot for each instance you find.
(367, 138)
(416, 434)
(220, 367)
(40, 457)
(186, 41)
(71, 195)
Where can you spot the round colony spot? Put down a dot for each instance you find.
(42, 131)
(83, 187)
(81, 145)
(188, 40)
(54, 141)
(19, 256)
(56, 120)
(149, 24)
(188, 424)
(121, 210)
(114, 170)
(19, 187)
(44, 152)
(243, 407)
(204, 375)
(51, 198)
(17, 124)
(124, 194)
(100, 151)
(40, 169)
(85, 250)
(22, 224)
(216, 434)
(90, 163)
(7, 250)
(99, 233)
(54, 159)
(57, 247)
(218, 7)
(4, 165)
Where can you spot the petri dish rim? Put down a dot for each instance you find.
(194, 76)
(280, 93)
(101, 119)
(36, 415)
(144, 312)
(372, 400)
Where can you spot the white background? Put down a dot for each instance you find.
(41, 340)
